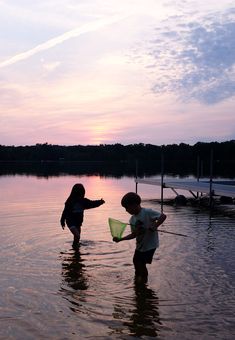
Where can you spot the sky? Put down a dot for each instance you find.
(93, 72)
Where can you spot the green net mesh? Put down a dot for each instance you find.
(116, 227)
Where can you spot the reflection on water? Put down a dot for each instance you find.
(210, 237)
(144, 319)
(73, 270)
(140, 315)
(49, 290)
(102, 168)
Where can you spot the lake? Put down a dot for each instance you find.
(50, 291)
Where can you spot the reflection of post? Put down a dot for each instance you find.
(210, 237)
(211, 176)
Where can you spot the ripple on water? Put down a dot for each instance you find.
(49, 290)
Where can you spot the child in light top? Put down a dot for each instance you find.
(144, 224)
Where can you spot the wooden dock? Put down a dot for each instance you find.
(213, 188)
(201, 189)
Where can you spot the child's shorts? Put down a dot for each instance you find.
(73, 227)
(144, 256)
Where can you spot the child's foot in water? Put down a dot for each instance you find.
(76, 245)
(141, 279)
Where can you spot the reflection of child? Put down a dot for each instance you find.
(144, 223)
(74, 208)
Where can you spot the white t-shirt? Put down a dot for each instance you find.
(149, 239)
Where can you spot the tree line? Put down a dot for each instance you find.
(222, 151)
(118, 160)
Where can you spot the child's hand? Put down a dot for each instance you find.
(102, 201)
(116, 239)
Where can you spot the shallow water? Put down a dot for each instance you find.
(50, 291)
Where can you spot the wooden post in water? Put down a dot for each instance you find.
(136, 175)
(198, 171)
(162, 177)
(198, 168)
(201, 170)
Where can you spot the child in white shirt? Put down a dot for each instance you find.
(144, 224)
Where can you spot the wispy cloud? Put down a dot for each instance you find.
(196, 58)
(90, 27)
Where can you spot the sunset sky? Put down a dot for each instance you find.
(117, 71)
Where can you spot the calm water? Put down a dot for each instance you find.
(49, 291)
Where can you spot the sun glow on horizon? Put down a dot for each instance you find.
(102, 71)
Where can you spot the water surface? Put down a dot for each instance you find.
(50, 291)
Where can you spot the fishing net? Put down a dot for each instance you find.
(116, 227)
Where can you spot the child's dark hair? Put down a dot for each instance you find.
(78, 191)
(130, 198)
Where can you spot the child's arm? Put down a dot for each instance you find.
(62, 221)
(63, 217)
(158, 222)
(127, 237)
(89, 204)
(138, 230)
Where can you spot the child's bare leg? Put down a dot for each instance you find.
(76, 234)
(141, 272)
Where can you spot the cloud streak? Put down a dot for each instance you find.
(89, 27)
(159, 72)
